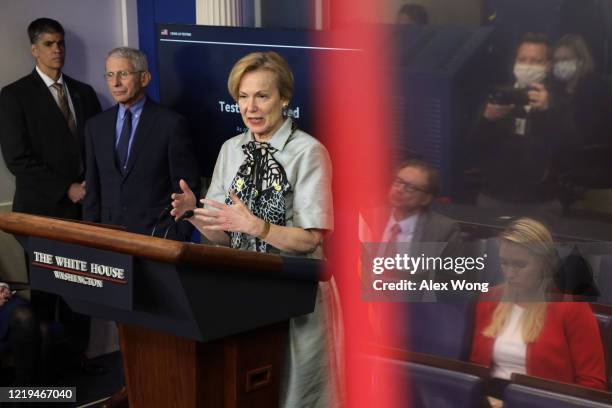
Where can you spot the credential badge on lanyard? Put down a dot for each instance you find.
(520, 126)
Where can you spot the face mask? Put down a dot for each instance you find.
(565, 70)
(528, 74)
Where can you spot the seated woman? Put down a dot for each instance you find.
(19, 330)
(271, 192)
(519, 330)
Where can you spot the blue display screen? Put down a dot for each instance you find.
(194, 64)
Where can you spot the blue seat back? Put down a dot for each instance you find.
(431, 387)
(442, 329)
(519, 396)
(604, 280)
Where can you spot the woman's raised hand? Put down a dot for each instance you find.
(184, 201)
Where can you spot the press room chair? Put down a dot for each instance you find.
(520, 396)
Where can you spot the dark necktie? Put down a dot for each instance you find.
(64, 106)
(124, 140)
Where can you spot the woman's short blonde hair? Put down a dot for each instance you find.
(268, 60)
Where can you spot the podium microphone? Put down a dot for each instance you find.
(184, 216)
(161, 215)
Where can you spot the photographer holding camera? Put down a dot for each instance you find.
(517, 141)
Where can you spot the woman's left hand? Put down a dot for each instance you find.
(237, 217)
(232, 218)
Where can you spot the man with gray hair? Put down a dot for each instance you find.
(137, 151)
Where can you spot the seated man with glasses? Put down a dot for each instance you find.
(407, 218)
(407, 226)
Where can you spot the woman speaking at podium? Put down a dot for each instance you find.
(271, 192)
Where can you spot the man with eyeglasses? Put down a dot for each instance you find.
(137, 151)
(408, 217)
(42, 121)
(407, 226)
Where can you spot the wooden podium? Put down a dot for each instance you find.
(200, 326)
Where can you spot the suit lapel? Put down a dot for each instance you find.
(143, 129)
(77, 101)
(45, 95)
(77, 104)
(428, 231)
(109, 133)
(55, 120)
(420, 231)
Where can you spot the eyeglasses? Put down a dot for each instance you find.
(109, 76)
(408, 187)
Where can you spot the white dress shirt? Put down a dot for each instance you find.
(407, 225)
(49, 82)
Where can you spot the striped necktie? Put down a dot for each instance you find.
(64, 106)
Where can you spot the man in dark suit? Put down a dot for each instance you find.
(137, 151)
(42, 118)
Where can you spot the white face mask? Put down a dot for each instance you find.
(565, 70)
(529, 74)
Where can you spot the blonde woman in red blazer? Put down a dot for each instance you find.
(560, 340)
